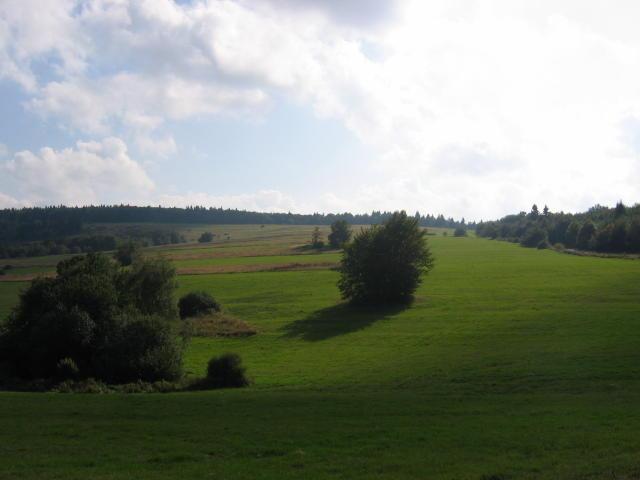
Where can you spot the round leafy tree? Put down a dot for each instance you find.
(340, 233)
(385, 263)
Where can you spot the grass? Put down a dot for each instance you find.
(511, 361)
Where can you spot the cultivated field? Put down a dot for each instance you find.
(511, 363)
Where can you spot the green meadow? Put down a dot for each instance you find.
(510, 363)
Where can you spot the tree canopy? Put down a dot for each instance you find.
(340, 233)
(111, 323)
(385, 263)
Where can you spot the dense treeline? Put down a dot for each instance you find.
(601, 229)
(54, 230)
(86, 244)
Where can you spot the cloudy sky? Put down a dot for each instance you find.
(467, 108)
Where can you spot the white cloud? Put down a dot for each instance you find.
(474, 108)
(92, 172)
(263, 201)
(7, 201)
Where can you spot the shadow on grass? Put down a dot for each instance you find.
(339, 320)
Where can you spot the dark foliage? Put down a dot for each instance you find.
(385, 263)
(603, 229)
(206, 237)
(340, 233)
(534, 236)
(113, 324)
(460, 232)
(226, 371)
(128, 252)
(585, 236)
(316, 238)
(197, 303)
(67, 369)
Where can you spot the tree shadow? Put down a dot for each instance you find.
(339, 320)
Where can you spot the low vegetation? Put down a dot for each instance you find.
(194, 304)
(206, 237)
(460, 232)
(218, 325)
(128, 252)
(226, 371)
(95, 320)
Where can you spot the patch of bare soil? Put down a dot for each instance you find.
(220, 325)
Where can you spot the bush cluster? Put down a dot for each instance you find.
(226, 371)
(97, 320)
(197, 303)
(206, 237)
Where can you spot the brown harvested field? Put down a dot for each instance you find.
(25, 277)
(277, 267)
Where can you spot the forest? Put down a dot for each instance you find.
(599, 229)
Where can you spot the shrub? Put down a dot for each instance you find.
(66, 369)
(460, 232)
(385, 263)
(542, 245)
(226, 371)
(197, 303)
(128, 252)
(206, 237)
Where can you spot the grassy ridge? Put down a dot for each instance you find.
(511, 361)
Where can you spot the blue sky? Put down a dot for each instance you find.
(468, 108)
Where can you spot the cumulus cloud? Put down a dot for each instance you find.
(92, 172)
(473, 108)
(7, 201)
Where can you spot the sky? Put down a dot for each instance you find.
(473, 109)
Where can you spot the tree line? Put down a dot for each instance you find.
(45, 223)
(36, 231)
(600, 229)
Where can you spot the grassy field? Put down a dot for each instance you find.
(512, 363)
